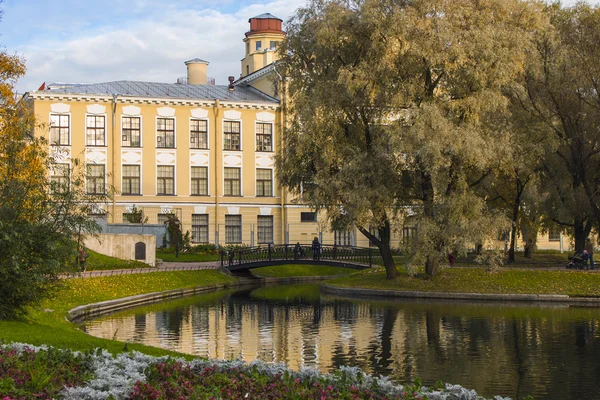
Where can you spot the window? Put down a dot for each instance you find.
(273, 44)
(59, 179)
(95, 130)
(233, 229)
(59, 129)
(163, 218)
(554, 235)
(232, 182)
(247, 48)
(200, 181)
(131, 179)
(409, 235)
(265, 229)
(130, 128)
(342, 238)
(165, 133)
(308, 217)
(200, 228)
(165, 179)
(264, 182)
(264, 137)
(198, 134)
(231, 130)
(94, 182)
(258, 45)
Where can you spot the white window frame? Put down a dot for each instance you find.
(241, 181)
(174, 179)
(272, 182)
(241, 134)
(141, 131)
(105, 129)
(141, 180)
(156, 118)
(207, 134)
(207, 181)
(272, 136)
(70, 128)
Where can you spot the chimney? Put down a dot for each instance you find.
(231, 86)
(196, 71)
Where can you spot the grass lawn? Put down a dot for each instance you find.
(186, 257)
(47, 324)
(98, 262)
(540, 258)
(478, 280)
(299, 270)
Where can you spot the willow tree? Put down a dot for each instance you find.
(562, 93)
(389, 104)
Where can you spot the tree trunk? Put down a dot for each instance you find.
(383, 244)
(581, 231)
(388, 262)
(515, 217)
(529, 248)
(432, 266)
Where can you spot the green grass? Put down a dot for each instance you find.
(540, 258)
(478, 280)
(47, 324)
(300, 270)
(187, 257)
(98, 262)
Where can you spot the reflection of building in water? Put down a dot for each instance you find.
(300, 336)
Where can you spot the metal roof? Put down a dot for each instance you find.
(196, 60)
(163, 91)
(266, 16)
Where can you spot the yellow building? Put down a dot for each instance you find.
(203, 152)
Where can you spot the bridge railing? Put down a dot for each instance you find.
(289, 252)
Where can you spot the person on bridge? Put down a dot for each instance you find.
(316, 249)
(298, 251)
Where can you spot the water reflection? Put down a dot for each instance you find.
(496, 349)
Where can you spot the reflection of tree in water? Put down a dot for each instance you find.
(497, 350)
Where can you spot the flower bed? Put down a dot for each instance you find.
(45, 373)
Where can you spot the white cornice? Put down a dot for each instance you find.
(256, 75)
(149, 100)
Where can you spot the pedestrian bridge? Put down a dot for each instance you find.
(245, 258)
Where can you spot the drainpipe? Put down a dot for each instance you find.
(284, 216)
(217, 166)
(114, 150)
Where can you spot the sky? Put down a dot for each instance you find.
(88, 41)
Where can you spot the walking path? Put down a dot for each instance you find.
(163, 267)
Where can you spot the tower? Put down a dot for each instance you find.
(261, 41)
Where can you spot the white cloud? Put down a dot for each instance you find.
(153, 48)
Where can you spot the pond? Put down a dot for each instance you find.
(515, 350)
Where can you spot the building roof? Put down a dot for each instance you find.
(266, 16)
(196, 61)
(162, 90)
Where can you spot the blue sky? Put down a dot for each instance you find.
(147, 40)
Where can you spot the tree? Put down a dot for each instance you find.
(390, 105)
(136, 216)
(39, 218)
(561, 92)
